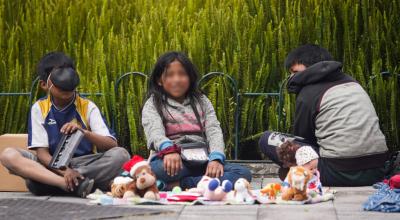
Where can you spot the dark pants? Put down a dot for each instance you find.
(188, 177)
(329, 175)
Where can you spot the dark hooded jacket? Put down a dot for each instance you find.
(335, 114)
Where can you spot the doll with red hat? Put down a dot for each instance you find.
(141, 181)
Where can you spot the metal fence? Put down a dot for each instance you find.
(238, 96)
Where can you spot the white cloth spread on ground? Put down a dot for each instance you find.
(170, 198)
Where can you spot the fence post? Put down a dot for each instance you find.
(233, 82)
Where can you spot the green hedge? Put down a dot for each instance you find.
(246, 39)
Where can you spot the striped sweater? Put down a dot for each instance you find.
(180, 125)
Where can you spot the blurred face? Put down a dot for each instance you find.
(60, 97)
(175, 81)
(297, 68)
(312, 166)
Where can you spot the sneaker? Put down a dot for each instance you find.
(84, 188)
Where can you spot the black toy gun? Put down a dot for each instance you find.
(65, 150)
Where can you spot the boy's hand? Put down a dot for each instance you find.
(172, 163)
(71, 177)
(70, 127)
(214, 169)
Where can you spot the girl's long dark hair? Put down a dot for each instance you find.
(159, 94)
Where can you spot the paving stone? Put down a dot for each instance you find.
(355, 211)
(350, 199)
(27, 195)
(68, 199)
(347, 205)
(230, 212)
(170, 216)
(17, 208)
(175, 211)
(297, 212)
(355, 216)
(354, 190)
(173, 208)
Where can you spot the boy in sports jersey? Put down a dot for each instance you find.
(97, 159)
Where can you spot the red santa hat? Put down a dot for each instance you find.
(133, 164)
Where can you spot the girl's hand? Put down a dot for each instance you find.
(214, 169)
(70, 127)
(172, 163)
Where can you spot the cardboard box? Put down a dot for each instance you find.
(9, 182)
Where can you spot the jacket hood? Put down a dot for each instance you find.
(323, 71)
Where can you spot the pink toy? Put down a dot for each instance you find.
(211, 189)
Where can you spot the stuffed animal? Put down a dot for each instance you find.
(211, 189)
(271, 190)
(202, 185)
(217, 192)
(119, 187)
(142, 182)
(298, 178)
(243, 191)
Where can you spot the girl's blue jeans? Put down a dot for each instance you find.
(188, 177)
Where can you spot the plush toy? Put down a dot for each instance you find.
(243, 191)
(119, 187)
(215, 192)
(201, 185)
(144, 180)
(271, 190)
(211, 189)
(141, 183)
(298, 178)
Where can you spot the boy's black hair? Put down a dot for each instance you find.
(158, 92)
(53, 60)
(307, 55)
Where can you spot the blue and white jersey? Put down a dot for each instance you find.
(45, 122)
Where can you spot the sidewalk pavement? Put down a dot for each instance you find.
(347, 205)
